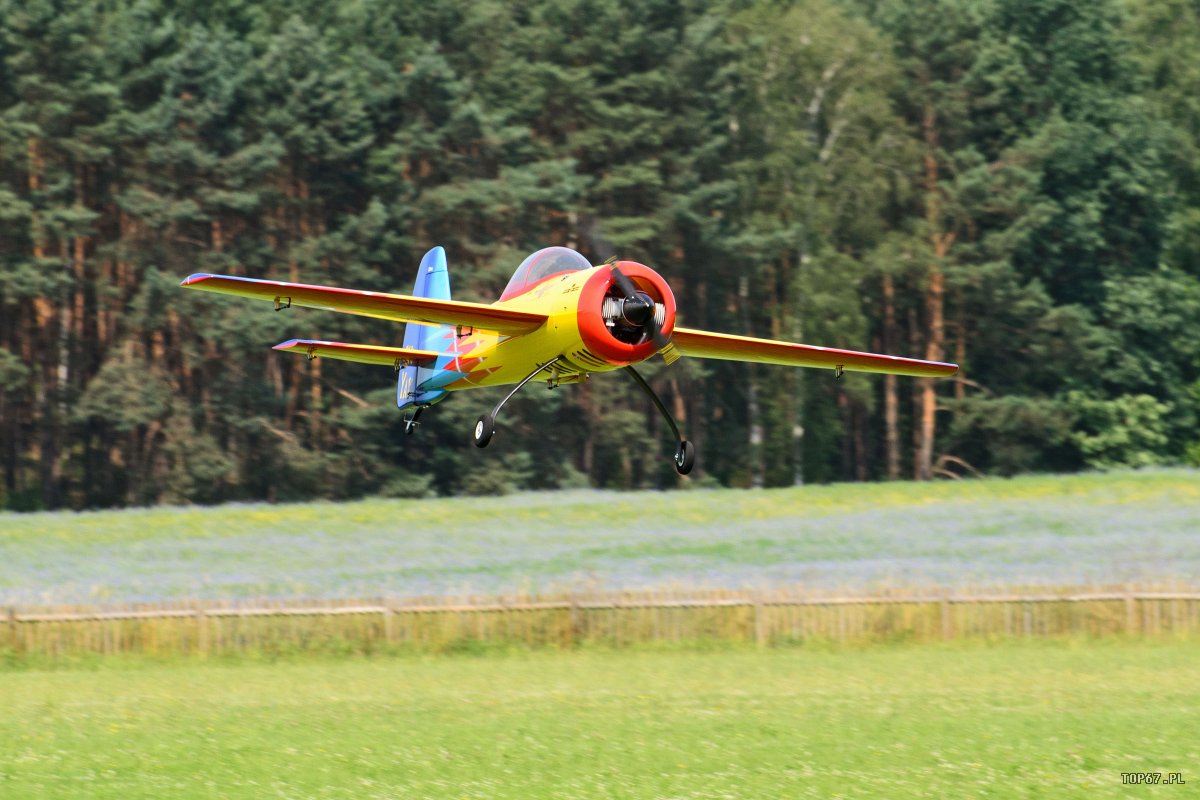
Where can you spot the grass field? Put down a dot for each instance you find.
(1077, 530)
(1052, 720)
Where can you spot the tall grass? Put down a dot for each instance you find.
(439, 625)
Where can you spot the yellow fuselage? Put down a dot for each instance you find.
(488, 359)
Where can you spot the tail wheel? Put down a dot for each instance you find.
(685, 457)
(484, 428)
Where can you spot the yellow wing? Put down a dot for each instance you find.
(362, 353)
(396, 307)
(705, 344)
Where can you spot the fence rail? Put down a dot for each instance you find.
(766, 618)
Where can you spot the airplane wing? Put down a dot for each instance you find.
(705, 344)
(362, 353)
(395, 307)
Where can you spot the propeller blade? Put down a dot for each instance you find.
(656, 334)
(623, 283)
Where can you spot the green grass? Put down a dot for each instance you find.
(1084, 529)
(1052, 720)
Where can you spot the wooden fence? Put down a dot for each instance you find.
(455, 624)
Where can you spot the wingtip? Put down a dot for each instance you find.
(289, 344)
(195, 278)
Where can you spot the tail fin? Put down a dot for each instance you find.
(433, 281)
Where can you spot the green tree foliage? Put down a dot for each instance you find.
(1013, 185)
(1128, 430)
(1167, 35)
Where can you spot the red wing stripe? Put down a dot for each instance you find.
(705, 344)
(395, 307)
(362, 353)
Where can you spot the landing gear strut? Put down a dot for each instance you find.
(485, 426)
(685, 452)
(410, 424)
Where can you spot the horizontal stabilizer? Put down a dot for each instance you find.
(705, 344)
(396, 307)
(362, 353)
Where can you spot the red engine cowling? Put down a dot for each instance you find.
(609, 340)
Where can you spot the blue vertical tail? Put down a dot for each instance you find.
(413, 384)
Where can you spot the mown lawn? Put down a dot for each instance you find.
(1043, 719)
(1084, 529)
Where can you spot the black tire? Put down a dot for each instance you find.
(484, 428)
(685, 457)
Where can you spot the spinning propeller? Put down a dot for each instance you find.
(638, 309)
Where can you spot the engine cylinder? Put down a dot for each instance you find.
(606, 334)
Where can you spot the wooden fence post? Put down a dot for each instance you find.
(201, 631)
(389, 621)
(947, 621)
(1130, 612)
(572, 622)
(760, 621)
(12, 628)
(614, 613)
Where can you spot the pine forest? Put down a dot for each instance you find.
(1012, 185)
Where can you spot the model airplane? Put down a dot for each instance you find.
(560, 320)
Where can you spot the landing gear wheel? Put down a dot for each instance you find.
(484, 429)
(685, 457)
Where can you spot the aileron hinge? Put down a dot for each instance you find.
(282, 303)
(463, 330)
(838, 370)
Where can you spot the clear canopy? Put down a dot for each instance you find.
(543, 264)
